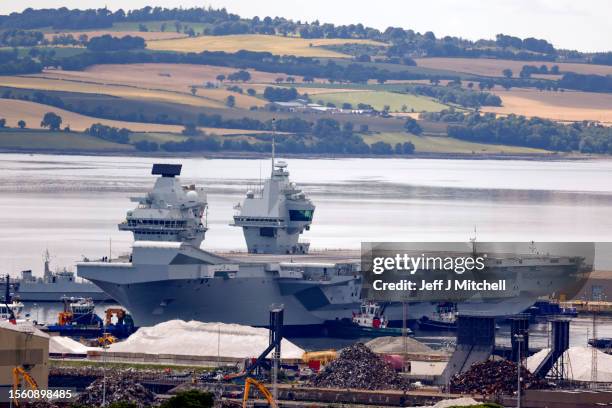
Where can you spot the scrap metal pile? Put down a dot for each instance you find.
(359, 367)
(119, 388)
(493, 377)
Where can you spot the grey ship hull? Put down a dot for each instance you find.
(247, 300)
(172, 281)
(53, 292)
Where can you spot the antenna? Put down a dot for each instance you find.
(273, 141)
(473, 241)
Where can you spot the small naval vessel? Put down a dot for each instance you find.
(54, 285)
(273, 218)
(167, 275)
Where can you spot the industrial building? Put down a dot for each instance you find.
(26, 348)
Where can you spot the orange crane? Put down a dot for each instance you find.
(18, 373)
(262, 389)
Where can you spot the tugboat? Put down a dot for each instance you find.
(80, 320)
(370, 321)
(444, 318)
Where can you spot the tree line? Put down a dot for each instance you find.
(456, 95)
(221, 22)
(585, 137)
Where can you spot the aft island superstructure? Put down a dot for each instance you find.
(273, 218)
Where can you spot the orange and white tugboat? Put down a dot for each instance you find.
(370, 321)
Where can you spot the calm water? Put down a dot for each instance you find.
(580, 330)
(72, 204)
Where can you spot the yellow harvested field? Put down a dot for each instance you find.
(494, 67)
(254, 42)
(31, 112)
(49, 84)
(148, 36)
(317, 91)
(561, 106)
(177, 77)
(14, 110)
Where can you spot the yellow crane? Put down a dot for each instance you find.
(262, 389)
(19, 373)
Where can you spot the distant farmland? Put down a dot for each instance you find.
(14, 110)
(131, 92)
(561, 106)
(494, 67)
(253, 42)
(378, 99)
(437, 144)
(61, 141)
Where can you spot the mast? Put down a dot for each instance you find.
(273, 142)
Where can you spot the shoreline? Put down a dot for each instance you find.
(264, 155)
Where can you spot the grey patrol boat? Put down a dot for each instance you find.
(54, 285)
(273, 218)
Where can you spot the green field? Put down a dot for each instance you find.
(156, 137)
(442, 144)
(378, 99)
(46, 140)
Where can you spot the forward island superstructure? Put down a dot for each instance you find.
(170, 212)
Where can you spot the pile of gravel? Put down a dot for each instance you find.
(118, 388)
(359, 367)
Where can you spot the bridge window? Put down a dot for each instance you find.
(300, 215)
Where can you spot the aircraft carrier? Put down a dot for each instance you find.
(167, 276)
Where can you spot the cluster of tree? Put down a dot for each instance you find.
(110, 43)
(217, 121)
(528, 70)
(412, 126)
(446, 116)
(586, 82)
(52, 121)
(241, 75)
(61, 18)
(530, 44)
(11, 63)
(406, 43)
(69, 39)
(109, 133)
(456, 95)
(531, 132)
(280, 94)
(602, 58)
(325, 136)
(20, 38)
